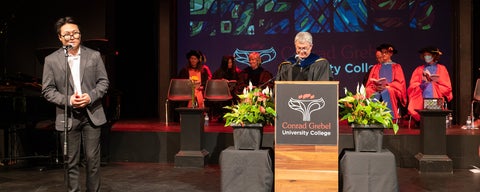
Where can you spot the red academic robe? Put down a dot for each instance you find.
(397, 88)
(441, 89)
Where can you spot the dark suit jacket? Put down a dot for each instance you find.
(94, 82)
(264, 79)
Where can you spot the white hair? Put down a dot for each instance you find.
(304, 37)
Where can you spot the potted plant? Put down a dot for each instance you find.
(367, 116)
(254, 109)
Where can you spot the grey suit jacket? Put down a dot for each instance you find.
(93, 78)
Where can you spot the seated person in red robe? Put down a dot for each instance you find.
(429, 80)
(386, 81)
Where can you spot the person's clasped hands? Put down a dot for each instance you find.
(79, 100)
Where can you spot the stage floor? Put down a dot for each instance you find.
(149, 177)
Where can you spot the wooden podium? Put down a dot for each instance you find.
(191, 153)
(433, 156)
(306, 136)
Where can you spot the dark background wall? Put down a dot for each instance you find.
(130, 28)
(141, 39)
(136, 38)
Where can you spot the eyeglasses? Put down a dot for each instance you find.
(69, 36)
(303, 48)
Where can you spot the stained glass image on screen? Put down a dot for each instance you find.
(345, 32)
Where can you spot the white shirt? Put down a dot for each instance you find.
(74, 63)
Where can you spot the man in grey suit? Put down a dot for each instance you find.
(87, 84)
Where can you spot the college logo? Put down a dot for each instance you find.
(306, 104)
(267, 55)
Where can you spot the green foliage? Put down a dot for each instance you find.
(358, 109)
(254, 106)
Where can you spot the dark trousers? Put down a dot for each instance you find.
(86, 136)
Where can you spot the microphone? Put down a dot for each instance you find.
(297, 57)
(67, 47)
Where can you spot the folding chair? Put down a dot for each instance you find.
(217, 94)
(179, 90)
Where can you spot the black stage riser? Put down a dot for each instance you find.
(126, 146)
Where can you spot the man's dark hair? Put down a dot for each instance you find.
(64, 20)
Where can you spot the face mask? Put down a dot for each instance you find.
(428, 58)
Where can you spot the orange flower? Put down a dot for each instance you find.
(262, 109)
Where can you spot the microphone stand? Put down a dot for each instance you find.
(285, 71)
(65, 120)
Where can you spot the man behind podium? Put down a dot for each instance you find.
(304, 65)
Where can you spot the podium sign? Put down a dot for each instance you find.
(307, 112)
